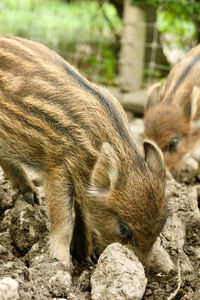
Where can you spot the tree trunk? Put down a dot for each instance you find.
(132, 47)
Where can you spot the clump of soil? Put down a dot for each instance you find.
(24, 254)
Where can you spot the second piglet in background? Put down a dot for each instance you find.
(172, 116)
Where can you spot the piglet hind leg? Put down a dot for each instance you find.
(60, 203)
(81, 246)
(20, 180)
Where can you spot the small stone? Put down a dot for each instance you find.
(8, 289)
(160, 259)
(118, 275)
(60, 284)
(5, 254)
(84, 281)
(28, 224)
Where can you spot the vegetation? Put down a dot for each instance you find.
(77, 31)
(87, 33)
(178, 18)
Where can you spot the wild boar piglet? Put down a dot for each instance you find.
(172, 113)
(99, 188)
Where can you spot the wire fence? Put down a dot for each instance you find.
(173, 45)
(162, 49)
(94, 46)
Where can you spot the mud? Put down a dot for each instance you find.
(24, 255)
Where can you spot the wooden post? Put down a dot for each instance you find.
(132, 47)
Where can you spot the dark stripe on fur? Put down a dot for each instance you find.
(48, 76)
(116, 120)
(83, 83)
(69, 112)
(25, 123)
(41, 115)
(182, 77)
(37, 93)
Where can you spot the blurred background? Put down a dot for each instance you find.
(125, 45)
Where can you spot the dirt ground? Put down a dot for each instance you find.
(25, 258)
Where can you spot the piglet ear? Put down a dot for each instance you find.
(153, 96)
(192, 106)
(195, 102)
(105, 172)
(154, 159)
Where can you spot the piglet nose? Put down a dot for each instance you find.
(143, 256)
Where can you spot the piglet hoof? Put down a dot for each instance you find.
(32, 198)
(91, 260)
(94, 259)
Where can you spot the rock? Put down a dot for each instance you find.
(160, 260)
(118, 275)
(182, 210)
(5, 254)
(197, 253)
(84, 281)
(60, 284)
(50, 274)
(18, 270)
(8, 289)
(28, 225)
(6, 200)
(183, 201)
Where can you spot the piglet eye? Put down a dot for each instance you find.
(171, 147)
(125, 233)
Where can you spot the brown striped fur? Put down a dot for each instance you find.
(173, 109)
(99, 188)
